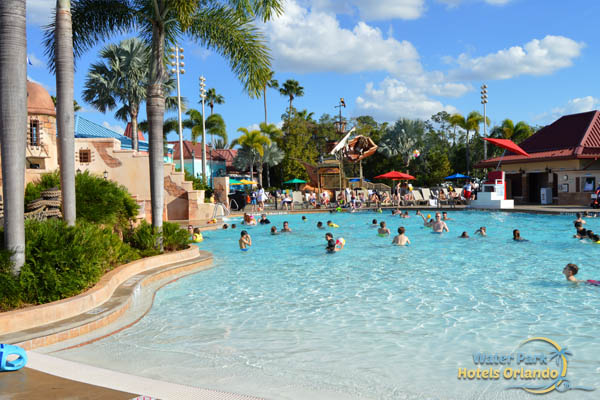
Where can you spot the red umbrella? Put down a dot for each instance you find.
(508, 145)
(395, 175)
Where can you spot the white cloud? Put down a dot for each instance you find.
(573, 106)
(456, 3)
(253, 127)
(313, 41)
(115, 128)
(537, 57)
(39, 12)
(371, 10)
(35, 62)
(394, 99)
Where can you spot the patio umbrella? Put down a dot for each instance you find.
(395, 175)
(358, 180)
(507, 145)
(234, 182)
(247, 182)
(457, 176)
(295, 181)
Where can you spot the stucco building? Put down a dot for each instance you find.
(564, 157)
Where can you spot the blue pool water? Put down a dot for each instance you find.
(285, 320)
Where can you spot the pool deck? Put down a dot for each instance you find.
(79, 381)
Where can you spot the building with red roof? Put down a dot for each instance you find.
(563, 156)
(219, 162)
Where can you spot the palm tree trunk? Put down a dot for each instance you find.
(268, 176)
(259, 169)
(265, 100)
(155, 109)
(65, 74)
(133, 113)
(13, 124)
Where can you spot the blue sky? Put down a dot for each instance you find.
(396, 58)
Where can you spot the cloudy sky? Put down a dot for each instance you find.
(397, 58)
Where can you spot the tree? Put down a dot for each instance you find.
(213, 98)
(272, 156)
(291, 89)
(120, 78)
(401, 140)
(517, 133)
(225, 26)
(65, 113)
(76, 106)
(214, 125)
(299, 147)
(455, 120)
(253, 141)
(13, 125)
(272, 83)
(469, 123)
(271, 131)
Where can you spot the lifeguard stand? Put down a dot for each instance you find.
(493, 193)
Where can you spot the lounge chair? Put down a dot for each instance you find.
(419, 198)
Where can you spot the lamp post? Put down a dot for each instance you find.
(203, 97)
(176, 57)
(484, 102)
(341, 104)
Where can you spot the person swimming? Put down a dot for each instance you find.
(303, 218)
(245, 241)
(332, 225)
(225, 226)
(274, 230)
(331, 247)
(401, 239)
(481, 231)
(579, 219)
(264, 220)
(383, 230)
(464, 235)
(286, 227)
(405, 215)
(197, 236)
(517, 236)
(570, 271)
(320, 225)
(374, 223)
(233, 226)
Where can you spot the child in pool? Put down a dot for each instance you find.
(383, 230)
(570, 271)
(401, 239)
(320, 225)
(274, 230)
(374, 223)
(332, 225)
(481, 231)
(517, 236)
(245, 241)
(464, 235)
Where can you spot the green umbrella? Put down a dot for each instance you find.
(295, 180)
(234, 182)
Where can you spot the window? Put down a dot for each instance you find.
(589, 184)
(85, 156)
(34, 133)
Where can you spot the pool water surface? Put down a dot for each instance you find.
(286, 320)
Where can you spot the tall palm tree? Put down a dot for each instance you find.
(212, 98)
(222, 25)
(517, 133)
(65, 114)
(120, 78)
(271, 131)
(455, 121)
(214, 125)
(292, 89)
(269, 83)
(398, 141)
(272, 156)
(253, 141)
(13, 124)
(469, 123)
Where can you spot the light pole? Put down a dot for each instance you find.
(484, 102)
(176, 57)
(203, 97)
(341, 104)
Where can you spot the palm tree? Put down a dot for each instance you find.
(291, 89)
(214, 124)
(517, 133)
(253, 141)
(272, 156)
(213, 98)
(397, 142)
(269, 83)
(13, 124)
(224, 26)
(65, 114)
(455, 121)
(271, 131)
(76, 106)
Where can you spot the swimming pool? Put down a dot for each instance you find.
(285, 320)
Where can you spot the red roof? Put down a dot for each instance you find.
(570, 137)
(127, 133)
(226, 155)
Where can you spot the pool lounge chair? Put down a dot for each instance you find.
(419, 200)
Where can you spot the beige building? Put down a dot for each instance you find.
(563, 158)
(106, 153)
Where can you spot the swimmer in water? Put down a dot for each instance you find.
(401, 239)
(303, 218)
(225, 226)
(233, 226)
(320, 225)
(286, 227)
(245, 241)
(579, 219)
(481, 231)
(464, 235)
(274, 230)
(439, 226)
(570, 271)
(332, 225)
(405, 215)
(383, 230)
(426, 223)
(264, 220)
(445, 216)
(374, 223)
(517, 236)
(331, 247)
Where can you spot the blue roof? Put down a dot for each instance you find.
(87, 129)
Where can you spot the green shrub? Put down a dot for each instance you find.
(144, 238)
(10, 287)
(98, 200)
(199, 184)
(62, 261)
(174, 237)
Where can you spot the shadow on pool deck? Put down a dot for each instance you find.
(29, 384)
